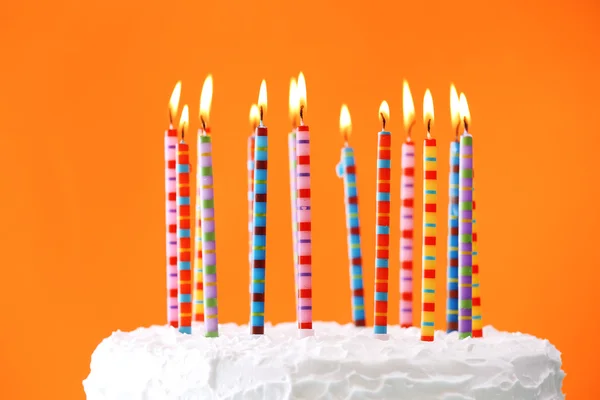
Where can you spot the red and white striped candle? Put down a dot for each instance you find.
(171, 136)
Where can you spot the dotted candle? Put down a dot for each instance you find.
(465, 231)
(346, 170)
(171, 221)
(209, 254)
(198, 299)
(184, 267)
(407, 198)
(382, 231)
(477, 320)
(259, 237)
(429, 239)
(304, 234)
(452, 274)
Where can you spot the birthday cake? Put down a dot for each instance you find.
(338, 362)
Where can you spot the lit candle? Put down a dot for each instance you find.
(184, 245)
(171, 209)
(259, 224)
(205, 197)
(407, 200)
(346, 169)
(429, 223)
(382, 232)
(294, 104)
(465, 225)
(304, 218)
(452, 274)
(254, 120)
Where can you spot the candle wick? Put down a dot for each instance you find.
(302, 115)
(203, 124)
(170, 118)
(457, 131)
(383, 120)
(428, 127)
(261, 116)
(409, 138)
(182, 134)
(466, 125)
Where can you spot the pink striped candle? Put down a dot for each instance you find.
(407, 199)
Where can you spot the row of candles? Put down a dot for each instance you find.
(192, 277)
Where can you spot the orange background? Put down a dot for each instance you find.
(84, 88)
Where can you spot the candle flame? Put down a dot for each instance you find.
(454, 107)
(205, 100)
(384, 113)
(345, 122)
(254, 116)
(294, 102)
(301, 95)
(174, 101)
(184, 121)
(408, 107)
(428, 110)
(262, 100)
(465, 114)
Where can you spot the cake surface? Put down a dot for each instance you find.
(338, 362)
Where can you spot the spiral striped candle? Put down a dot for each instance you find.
(429, 239)
(171, 220)
(382, 231)
(465, 231)
(209, 254)
(304, 234)
(477, 320)
(259, 237)
(407, 198)
(251, 146)
(346, 169)
(184, 267)
(198, 299)
(452, 274)
(292, 165)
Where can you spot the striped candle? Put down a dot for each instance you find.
(477, 320)
(407, 198)
(382, 231)
(209, 255)
(465, 231)
(198, 269)
(429, 238)
(171, 220)
(304, 234)
(346, 169)
(292, 165)
(259, 237)
(184, 267)
(251, 146)
(452, 274)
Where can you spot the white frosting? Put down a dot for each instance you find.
(338, 362)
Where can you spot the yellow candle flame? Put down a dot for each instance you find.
(345, 122)
(254, 116)
(428, 110)
(384, 113)
(262, 100)
(184, 121)
(294, 102)
(302, 95)
(408, 106)
(206, 100)
(174, 101)
(465, 114)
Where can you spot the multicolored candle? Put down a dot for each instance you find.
(382, 250)
(407, 199)
(254, 119)
(207, 214)
(259, 223)
(184, 232)
(452, 250)
(171, 136)
(477, 320)
(465, 226)
(346, 169)
(429, 224)
(304, 217)
(294, 109)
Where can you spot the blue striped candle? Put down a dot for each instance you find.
(452, 275)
